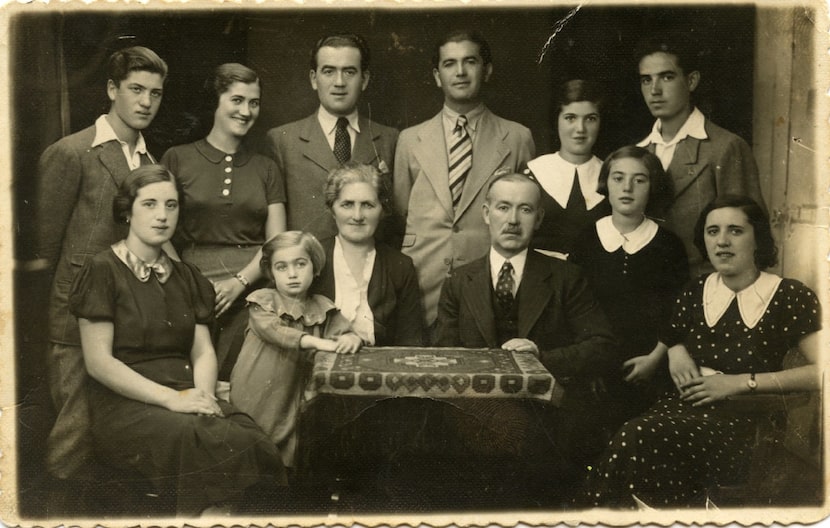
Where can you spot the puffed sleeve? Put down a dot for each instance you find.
(803, 315)
(681, 320)
(202, 295)
(92, 295)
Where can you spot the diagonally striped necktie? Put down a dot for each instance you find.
(461, 159)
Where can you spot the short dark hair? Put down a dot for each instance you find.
(766, 253)
(505, 174)
(577, 90)
(460, 35)
(225, 75)
(660, 190)
(343, 40)
(672, 43)
(136, 58)
(287, 239)
(354, 172)
(122, 203)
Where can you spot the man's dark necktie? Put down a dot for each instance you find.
(342, 141)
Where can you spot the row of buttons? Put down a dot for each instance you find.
(227, 181)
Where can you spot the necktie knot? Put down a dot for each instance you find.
(460, 126)
(342, 141)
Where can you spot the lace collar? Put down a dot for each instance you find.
(313, 311)
(752, 300)
(162, 267)
(632, 242)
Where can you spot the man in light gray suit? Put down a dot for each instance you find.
(308, 149)
(444, 165)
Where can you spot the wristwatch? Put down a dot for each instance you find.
(751, 383)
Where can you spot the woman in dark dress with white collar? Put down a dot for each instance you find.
(569, 176)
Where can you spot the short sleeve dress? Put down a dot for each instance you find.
(210, 459)
(222, 223)
(674, 452)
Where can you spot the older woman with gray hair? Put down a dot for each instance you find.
(373, 285)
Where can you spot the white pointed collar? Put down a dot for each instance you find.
(695, 126)
(752, 300)
(631, 242)
(555, 175)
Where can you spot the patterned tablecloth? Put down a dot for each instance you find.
(434, 373)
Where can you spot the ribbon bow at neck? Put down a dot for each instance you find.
(162, 267)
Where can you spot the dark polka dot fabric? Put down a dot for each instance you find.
(674, 452)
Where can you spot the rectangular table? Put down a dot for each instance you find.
(433, 373)
(392, 424)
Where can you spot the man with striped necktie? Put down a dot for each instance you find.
(444, 165)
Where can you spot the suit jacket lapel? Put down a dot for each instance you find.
(431, 153)
(534, 292)
(684, 168)
(364, 150)
(476, 295)
(489, 151)
(112, 158)
(314, 145)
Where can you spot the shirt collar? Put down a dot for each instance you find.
(328, 121)
(693, 127)
(555, 175)
(451, 117)
(104, 133)
(752, 300)
(216, 156)
(497, 261)
(631, 242)
(161, 268)
(313, 311)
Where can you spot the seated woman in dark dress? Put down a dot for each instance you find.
(374, 286)
(728, 336)
(569, 176)
(144, 331)
(636, 269)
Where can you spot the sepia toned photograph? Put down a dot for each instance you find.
(433, 263)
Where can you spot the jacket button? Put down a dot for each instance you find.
(455, 229)
(447, 261)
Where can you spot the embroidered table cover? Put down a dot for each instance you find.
(433, 373)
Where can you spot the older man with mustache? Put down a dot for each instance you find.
(521, 300)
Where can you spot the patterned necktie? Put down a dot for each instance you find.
(342, 141)
(576, 201)
(504, 286)
(461, 159)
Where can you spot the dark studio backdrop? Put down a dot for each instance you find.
(58, 60)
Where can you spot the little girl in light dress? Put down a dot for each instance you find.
(287, 326)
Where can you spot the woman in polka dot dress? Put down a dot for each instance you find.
(728, 335)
